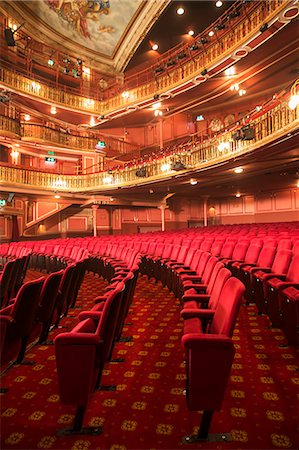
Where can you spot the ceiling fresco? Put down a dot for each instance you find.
(96, 24)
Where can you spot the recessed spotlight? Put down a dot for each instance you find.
(156, 105)
(211, 33)
(158, 112)
(165, 167)
(238, 170)
(193, 181)
(53, 110)
(27, 117)
(92, 121)
(155, 46)
(191, 32)
(17, 145)
(219, 4)
(180, 11)
(230, 71)
(242, 92)
(238, 195)
(56, 196)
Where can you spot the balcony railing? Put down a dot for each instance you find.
(268, 126)
(146, 83)
(9, 126)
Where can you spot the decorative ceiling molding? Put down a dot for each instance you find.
(139, 28)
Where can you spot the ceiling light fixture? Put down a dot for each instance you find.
(158, 113)
(193, 181)
(180, 11)
(56, 196)
(234, 87)
(238, 170)
(155, 46)
(219, 4)
(27, 117)
(53, 110)
(230, 71)
(191, 32)
(156, 105)
(211, 33)
(50, 62)
(242, 92)
(238, 195)
(92, 121)
(165, 167)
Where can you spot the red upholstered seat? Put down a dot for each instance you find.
(209, 356)
(289, 310)
(20, 319)
(276, 285)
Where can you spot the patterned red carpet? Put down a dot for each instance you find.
(148, 410)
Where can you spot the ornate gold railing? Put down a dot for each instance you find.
(246, 26)
(9, 126)
(32, 132)
(268, 126)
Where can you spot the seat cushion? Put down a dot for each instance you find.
(192, 326)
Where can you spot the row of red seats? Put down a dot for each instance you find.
(82, 353)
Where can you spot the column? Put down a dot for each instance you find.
(162, 208)
(161, 133)
(205, 211)
(94, 218)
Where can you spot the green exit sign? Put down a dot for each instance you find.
(51, 152)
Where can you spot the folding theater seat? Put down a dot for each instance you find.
(265, 260)
(289, 310)
(147, 256)
(150, 261)
(238, 254)
(205, 256)
(46, 305)
(209, 355)
(62, 297)
(260, 275)
(207, 297)
(107, 313)
(20, 318)
(5, 278)
(276, 285)
(81, 355)
(193, 280)
(175, 268)
(250, 258)
(157, 262)
(177, 259)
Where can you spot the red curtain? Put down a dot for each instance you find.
(15, 237)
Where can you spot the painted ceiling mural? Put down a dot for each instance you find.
(96, 24)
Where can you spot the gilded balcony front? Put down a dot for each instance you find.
(9, 127)
(143, 85)
(268, 127)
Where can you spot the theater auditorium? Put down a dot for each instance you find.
(149, 224)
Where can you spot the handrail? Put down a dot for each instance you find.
(147, 83)
(268, 126)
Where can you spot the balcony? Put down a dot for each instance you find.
(267, 127)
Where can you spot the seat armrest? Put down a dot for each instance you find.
(95, 315)
(206, 314)
(100, 299)
(199, 298)
(263, 269)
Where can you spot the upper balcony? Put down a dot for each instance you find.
(180, 69)
(276, 122)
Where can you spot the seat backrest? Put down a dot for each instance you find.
(281, 261)
(219, 265)
(227, 249)
(293, 270)
(228, 307)
(6, 275)
(240, 251)
(209, 269)
(223, 275)
(48, 295)
(266, 257)
(25, 306)
(196, 258)
(284, 243)
(252, 253)
(202, 263)
(216, 248)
